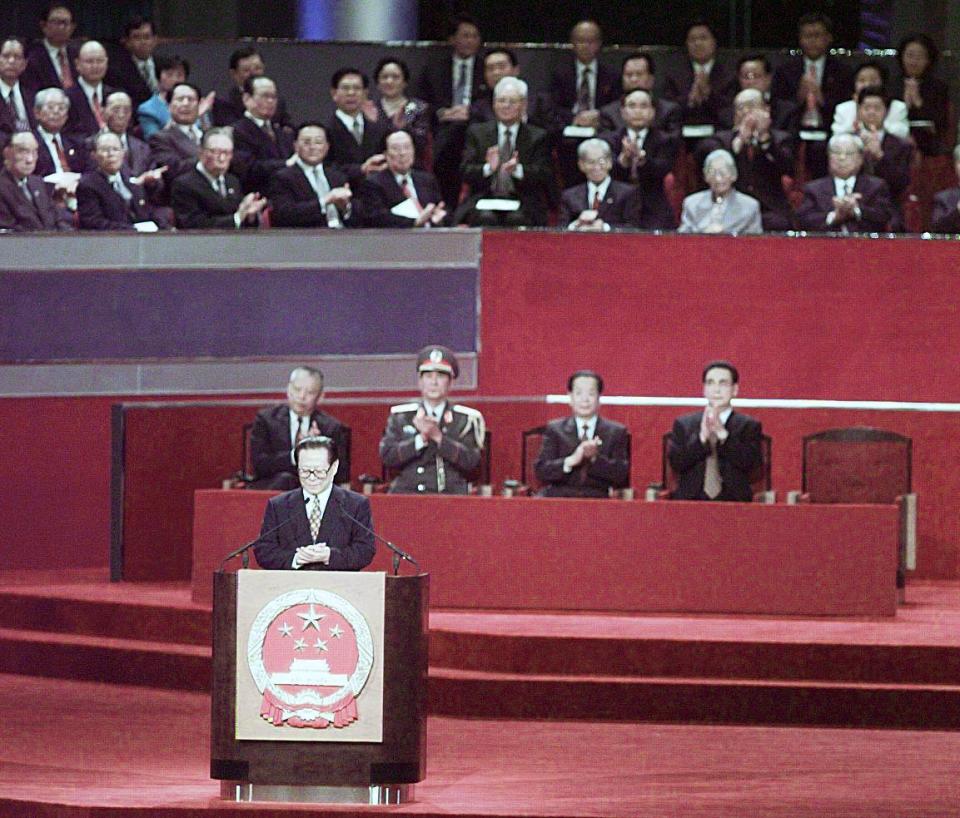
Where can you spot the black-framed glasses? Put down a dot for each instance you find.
(316, 474)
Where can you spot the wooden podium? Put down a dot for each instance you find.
(336, 769)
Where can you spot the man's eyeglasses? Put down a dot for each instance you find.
(315, 474)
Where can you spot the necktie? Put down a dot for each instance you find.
(97, 110)
(315, 517)
(407, 191)
(358, 131)
(61, 154)
(268, 130)
(122, 189)
(148, 76)
(460, 91)
(13, 107)
(323, 188)
(299, 435)
(221, 187)
(585, 432)
(66, 75)
(712, 484)
(596, 206)
(503, 184)
(583, 94)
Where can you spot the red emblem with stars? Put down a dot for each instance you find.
(310, 653)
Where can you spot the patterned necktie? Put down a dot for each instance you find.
(460, 91)
(583, 94)
(148, 77)
(315, 517)
(503, 184)
(712, 484)
(66, 75)
(358, 131)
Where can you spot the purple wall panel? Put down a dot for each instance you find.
(170, 314)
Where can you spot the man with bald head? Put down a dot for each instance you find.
(763, 155)
(24, 201)
(16, 103)
(386, 191)
(89, 94)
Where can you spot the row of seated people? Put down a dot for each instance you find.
(358, 132)
(434, 446)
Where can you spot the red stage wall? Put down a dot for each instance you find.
(813, 318)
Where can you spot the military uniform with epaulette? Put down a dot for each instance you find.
(433, 468)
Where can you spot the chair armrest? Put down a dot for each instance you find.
(768, 498)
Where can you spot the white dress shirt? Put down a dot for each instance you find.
(350, 121)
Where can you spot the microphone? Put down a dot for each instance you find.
(244, 549)
(398, 553)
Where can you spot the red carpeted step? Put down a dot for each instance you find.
(119, 661)
(703, 700)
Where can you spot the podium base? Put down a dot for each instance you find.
(244, 791)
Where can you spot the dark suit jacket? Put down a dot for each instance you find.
(380, 192)
(893, 167)
(346, 154)
(73, 148)
(609, 470)
(533, 153)
(16, 213)
(295, 203)
(122, 72)
(738, 457)
(40, 72)
(436, 81)
(228, 109)
(270, 442)
(723, 88)
(351, 548)
(81, 122)
(876, 208)
(172, 147)
(654, 211)
(256, 157)
(760, 177)
(946, 217)
(100, 207)
(137, 159)
(837, 85)
(668, 120)
(198, 206)
(563, 89)
(936, 109)
(7, 122)
(618, 208)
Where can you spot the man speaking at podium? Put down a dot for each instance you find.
(310, 528)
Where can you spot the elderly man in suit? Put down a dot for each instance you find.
(722, 208)
(847, 200)
(356, 142)
(715, 452)
(309, 192)
(763, 156)
(177, 145)
(24, 202)
(137, 158)
(946, 204)
(600, 203)
(132, 68)
(260, 148)
(50, 59)
(644, 156)
(450, 83)
(754, 72)
(208, 197)
(509, 161)
(16, 102)
(583, 455)
(330, 527)
(638, 73)
(106, 199)
(245, 62)
(400, 182)
(58, 154)
(89, 94)
(278, 429)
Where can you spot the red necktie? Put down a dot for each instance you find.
(61, 154)
(405, 190)
(596, 203)
(97, 110)
(66, 75)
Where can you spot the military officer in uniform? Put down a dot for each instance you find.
(436, 445)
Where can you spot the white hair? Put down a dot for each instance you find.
(594, 144)
(717, 157)
(507, 84)
(46, 95)
(845, 139)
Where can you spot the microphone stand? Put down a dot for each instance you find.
(398, 553)
(245, 549)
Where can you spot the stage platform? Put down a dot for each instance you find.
(900, 672)
(132, 751)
